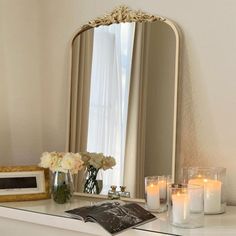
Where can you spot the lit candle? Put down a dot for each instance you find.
(153, 196)
(212, 195)
(162, 188)
(197, 181)
(196, 199)
(180, 210)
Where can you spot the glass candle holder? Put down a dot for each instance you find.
(169, 182)
(213, 179)
(156, 193)
(162, 183)
(185, 206)
(152, 193)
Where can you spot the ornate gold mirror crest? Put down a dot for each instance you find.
(121, 14)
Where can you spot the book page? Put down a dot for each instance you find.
(119, 218)
(82, 213)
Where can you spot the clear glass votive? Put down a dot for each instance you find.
(169, 181)
(162, 183)
(185, 205)
(213, 179)
(152, 193)
(156, 193)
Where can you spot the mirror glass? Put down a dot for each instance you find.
(123, 100)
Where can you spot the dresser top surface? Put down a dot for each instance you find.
(44, 210)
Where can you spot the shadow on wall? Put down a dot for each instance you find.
(189, 152)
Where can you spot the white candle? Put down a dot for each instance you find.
(195, 199)
(180, 210)
(162, 188)
(168, 183)
(153, 196)
(212, 195)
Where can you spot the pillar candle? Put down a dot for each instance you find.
(180, 210)
(212, 195)
(153, 196)
(196, 199)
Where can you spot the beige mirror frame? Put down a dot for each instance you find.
(123, 14)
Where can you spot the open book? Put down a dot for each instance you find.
(113, 216)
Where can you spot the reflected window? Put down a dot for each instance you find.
(109, 92)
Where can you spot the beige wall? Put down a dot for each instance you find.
(33, 84)
(36, 35)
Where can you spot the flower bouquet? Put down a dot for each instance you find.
(93, 163)
(63, 165)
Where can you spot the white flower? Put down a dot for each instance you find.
(85, 158)
(56, 159)
(68, 161)
(74, 162)
(46, 160)
(96, 160)
(108, 162)
(78, 164)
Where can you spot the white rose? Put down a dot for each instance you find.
(96, 160)
(85, 158)
(56, 162)
(46, 160)
(78, 163)
(108, 162)
(51, 160)
(72, 162)
(68, 161)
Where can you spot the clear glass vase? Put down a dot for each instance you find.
(62, 187)
(93, 181)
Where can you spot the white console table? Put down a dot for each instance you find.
(45, 217)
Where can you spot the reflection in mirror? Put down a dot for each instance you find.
(109, 92)
(123, 100)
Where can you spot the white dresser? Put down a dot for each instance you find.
(42, 218)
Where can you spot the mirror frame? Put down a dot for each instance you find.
(124, 14)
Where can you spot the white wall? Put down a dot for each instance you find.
(206, 123)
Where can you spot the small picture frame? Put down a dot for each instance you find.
(23, 183)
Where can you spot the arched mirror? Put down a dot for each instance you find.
(123, 97)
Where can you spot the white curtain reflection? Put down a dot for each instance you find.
(110, 80)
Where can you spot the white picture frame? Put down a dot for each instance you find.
(22, 183)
